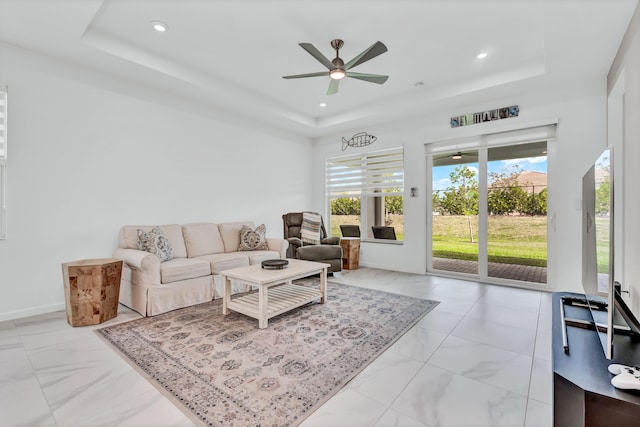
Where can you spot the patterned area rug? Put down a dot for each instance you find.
(223, 370)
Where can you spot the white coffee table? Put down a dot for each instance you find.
(276, 292)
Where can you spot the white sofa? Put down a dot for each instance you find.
(200, 252)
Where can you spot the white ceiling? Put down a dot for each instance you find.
(232, 54)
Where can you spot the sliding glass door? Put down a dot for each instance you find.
(517, 212)
(455, 212)
(489, 212)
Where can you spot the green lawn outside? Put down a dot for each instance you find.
(602, 243)
(512, 239)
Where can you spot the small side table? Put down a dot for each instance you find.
(350, 252)
(91, 290)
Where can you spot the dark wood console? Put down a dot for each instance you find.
(582, 390)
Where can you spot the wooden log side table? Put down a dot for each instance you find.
(91, 290)
(350, 252)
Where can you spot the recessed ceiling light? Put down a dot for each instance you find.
(323, 104)
(482, 55)
(159, 26)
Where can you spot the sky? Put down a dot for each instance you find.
(441, 180)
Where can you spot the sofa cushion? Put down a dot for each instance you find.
(129, 237)
(230, 232)
(202, 239)
(182, 269)
(225, 261)
(155, 242)
(256, 257)
(253, 240)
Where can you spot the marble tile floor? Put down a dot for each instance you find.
(481, 358)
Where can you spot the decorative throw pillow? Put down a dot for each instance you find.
(253, 240)
(155, 242)
(310, 231)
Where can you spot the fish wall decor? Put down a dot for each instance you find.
(360, 139)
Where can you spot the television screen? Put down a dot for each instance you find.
(617, 319)
(597, 209)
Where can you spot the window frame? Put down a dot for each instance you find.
(380, 174)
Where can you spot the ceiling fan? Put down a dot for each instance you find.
(338, 69)
(454, 158)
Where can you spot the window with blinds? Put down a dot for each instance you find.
(367, 190)
(3, 164)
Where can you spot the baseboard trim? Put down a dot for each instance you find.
(33, 311)
(390, 268)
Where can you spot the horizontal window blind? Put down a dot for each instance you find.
(365, 174)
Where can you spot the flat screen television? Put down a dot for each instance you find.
(615, 320)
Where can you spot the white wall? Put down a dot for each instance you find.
(85, 160)
(581, 135)
(88, 154)
(627, 61)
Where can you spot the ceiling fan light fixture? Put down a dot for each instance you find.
(337, 74)
(337, 69)
(159, 26)
(457, 156)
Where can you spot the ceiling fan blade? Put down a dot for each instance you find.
(378, 48)
(373, 78)
(316, 54)
(333, 87)
(299, 76)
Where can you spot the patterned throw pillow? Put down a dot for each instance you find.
(253, 240)
(155, 242)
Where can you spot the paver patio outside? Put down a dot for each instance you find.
(524, 273)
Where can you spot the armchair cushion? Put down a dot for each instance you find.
(294, 244)
(294, 241)
(331, 241)
(253, 240)
(319, 253)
